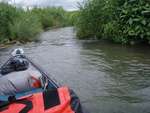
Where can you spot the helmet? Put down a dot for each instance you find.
(18, 51)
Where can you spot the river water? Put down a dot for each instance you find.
(108, 78)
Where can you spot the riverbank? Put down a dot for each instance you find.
(19, 25)
(121, 21)
(6, 45)
(18, 43)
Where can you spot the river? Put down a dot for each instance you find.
(108, 78)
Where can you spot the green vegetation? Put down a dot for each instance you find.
(21, 25)
(72, 17)
(122, 21)
(7, 13)
(25, 27)
(51, 17)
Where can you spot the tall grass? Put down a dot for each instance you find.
(51, 17)
(72, 17)
(25, 27)
(122, 21)
(20, 25)
(7, 14)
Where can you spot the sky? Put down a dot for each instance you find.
(69, 5)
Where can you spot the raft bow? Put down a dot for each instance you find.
(52, 99)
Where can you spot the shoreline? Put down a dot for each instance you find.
(17, 42)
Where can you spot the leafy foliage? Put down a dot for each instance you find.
(51, 16)
(72, 17)
(23, 25)
(119, 20)
(7, 13)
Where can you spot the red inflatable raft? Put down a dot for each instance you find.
(49, 98)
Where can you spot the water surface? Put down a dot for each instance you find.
(108, 78)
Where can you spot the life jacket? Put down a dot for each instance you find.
(61, 100)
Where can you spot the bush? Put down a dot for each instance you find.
(25, 27)
(134, 21)
(94, 14)
(72, 17)
(119, 20)
(7, 14)
(20, 25)
(51, 17)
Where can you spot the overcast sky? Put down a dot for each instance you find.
(66, 4)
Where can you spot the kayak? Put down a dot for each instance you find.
(50, 97)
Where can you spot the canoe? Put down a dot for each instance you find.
(48, 98)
